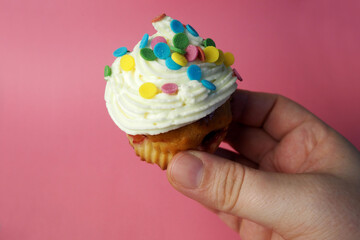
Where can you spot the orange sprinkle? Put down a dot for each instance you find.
(201, 54)
(158, 18)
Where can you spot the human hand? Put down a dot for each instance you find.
(293, 177)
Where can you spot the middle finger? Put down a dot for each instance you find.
(251, 142)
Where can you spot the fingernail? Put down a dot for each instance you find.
(187, 170)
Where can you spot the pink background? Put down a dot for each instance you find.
(66, 170)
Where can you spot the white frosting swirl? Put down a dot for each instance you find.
(137, 115)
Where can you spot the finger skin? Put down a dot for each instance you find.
(282, 136)
(235, 157)
(276, 114)
(233, 188)
(292, 205)
(254, 143)
(253, 231)
(230, 220)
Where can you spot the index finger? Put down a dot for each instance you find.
(276, 114)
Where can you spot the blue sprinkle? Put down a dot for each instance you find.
(162, 50)
(194, 72)
(144, 40)
(208, 85)
(192, 31)
(176, 26)
(120, 52)
(171, 64)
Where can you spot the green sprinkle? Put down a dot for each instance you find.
(107, 71)
(148, 54)
(209, 42)
(178, 50)
(180, 40)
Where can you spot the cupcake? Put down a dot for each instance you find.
(171, 92)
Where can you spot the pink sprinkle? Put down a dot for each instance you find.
(236, 74)
(169, 88)
(191, 53)
(157, 40)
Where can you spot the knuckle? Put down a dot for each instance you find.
(313, 133)
(228, 187)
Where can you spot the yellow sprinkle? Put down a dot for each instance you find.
(127, 63)
(148, 90)
(179, 59)
(221, 58)
(211, 54)
(229, 59)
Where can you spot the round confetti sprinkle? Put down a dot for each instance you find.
(211, 54)
(176, 26)
(191, 53)
(169, 88)
(229, 59)
(194, 72)
(159, 18)
(120, 52)
(107, 71)
(178, 50)
(201, 54)
(209, 42)
(221, 58)
(179, 59)
(144, 40)
(171, 64)
(147, 54)
(180, 40)
(162, 50)
(237, 75)
(209, 85)
(157, 40)
(127, 63)
(192, 31)
(148, 90)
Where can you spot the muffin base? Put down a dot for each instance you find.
(205, 134)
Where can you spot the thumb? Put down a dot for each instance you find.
(267, 198)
